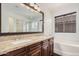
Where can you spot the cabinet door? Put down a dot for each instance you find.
(51, 46)
(17, 52)
(45, 49)
(35, 49)
(51, 49)
(21, 54)
(36, 52)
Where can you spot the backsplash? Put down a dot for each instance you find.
(14, 37)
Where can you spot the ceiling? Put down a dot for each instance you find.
(54, 6)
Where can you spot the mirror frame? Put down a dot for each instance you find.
(20, 33)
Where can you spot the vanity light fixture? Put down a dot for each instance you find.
(37, 7)
(24, 6)
(33, 6)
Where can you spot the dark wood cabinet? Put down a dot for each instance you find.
(47, 47)
(36, 52)
(18, 52)
(34, 49)
(51, 46)
(43, 48)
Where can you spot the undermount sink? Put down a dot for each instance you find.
(20, 41)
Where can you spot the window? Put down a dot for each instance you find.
(66, 23)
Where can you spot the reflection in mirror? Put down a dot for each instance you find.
(18, 18)
(11, 23)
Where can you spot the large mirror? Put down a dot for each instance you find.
(17, 17)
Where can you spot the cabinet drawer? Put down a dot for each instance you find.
(35, 46)
(16, 52)
(35, 49)
(36, 52)
(21, 54)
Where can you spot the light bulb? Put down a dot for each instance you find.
(31, 4)
(38, 9)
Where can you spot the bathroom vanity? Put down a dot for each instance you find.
(39, 47)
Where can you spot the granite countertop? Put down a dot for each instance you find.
(7, 46)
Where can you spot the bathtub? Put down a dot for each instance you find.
(66, 48)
